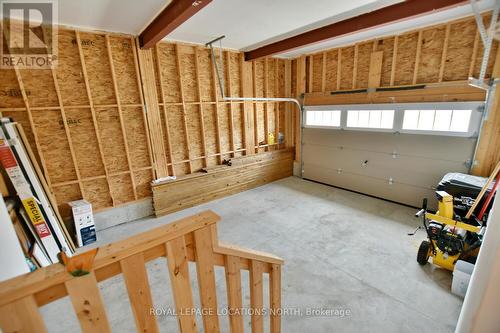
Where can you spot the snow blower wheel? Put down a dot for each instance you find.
(423, 252)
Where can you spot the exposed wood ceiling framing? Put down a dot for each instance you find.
(176, 13)
(393, 13)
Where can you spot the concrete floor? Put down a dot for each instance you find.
(343, 251)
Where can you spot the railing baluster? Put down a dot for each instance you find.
(139, 293)
(21, 315)
(234, 300)
(206, 278)
(256, 296)
(87, 302)
(181, 285)
(275, 298)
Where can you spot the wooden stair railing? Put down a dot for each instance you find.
(190, 239)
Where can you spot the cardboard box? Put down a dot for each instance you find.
(84, 222)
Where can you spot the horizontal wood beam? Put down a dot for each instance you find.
(176, 13)
(389, 14)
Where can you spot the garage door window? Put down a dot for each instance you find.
(437, 120)
(370, 118)
(323, 118)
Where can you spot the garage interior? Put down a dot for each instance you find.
(250, 166)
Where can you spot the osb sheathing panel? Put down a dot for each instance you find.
(69, 70)
(234, 72)
(317, 68)
(39, 97)
(177, 133)
(123, 58)
(205, 76)
(98, 192)
(209, 121)
(121, 188)
(363, 64)
(136, 137)
(224, 119)
(281, 78)
(10, 94)
(406, 57)
(347, 61)
(82, 131)
(431, 54)
(458, 51)
(98, 68)
(143, 183)
(193, 120)
(54, 145)
(188, 76)
(112, 140)
(272, 110)
(259, 78)
(238, 126)
(331, 71)
(387, 46)
(271, 79)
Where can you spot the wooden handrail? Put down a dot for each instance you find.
(190, 239)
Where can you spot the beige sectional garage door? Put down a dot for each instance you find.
(396, 166)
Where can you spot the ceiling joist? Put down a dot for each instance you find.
(389, 14)
(176, 13)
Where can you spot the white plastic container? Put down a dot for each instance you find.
(461, 277)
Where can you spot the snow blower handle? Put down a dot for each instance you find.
(423, 210)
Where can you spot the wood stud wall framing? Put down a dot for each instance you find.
(443, 53)
(201, 130)
(87, 119)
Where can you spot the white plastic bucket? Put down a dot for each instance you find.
(461, 277)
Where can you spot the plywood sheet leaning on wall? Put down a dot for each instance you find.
(85, 119)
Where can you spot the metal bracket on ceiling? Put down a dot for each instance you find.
(220, 78)
(487, 39)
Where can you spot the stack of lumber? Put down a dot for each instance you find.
(244, 173)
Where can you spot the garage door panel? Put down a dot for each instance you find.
(398, 192)
(406, 169)
(442, 147)
(397, 176)
(415, 163)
